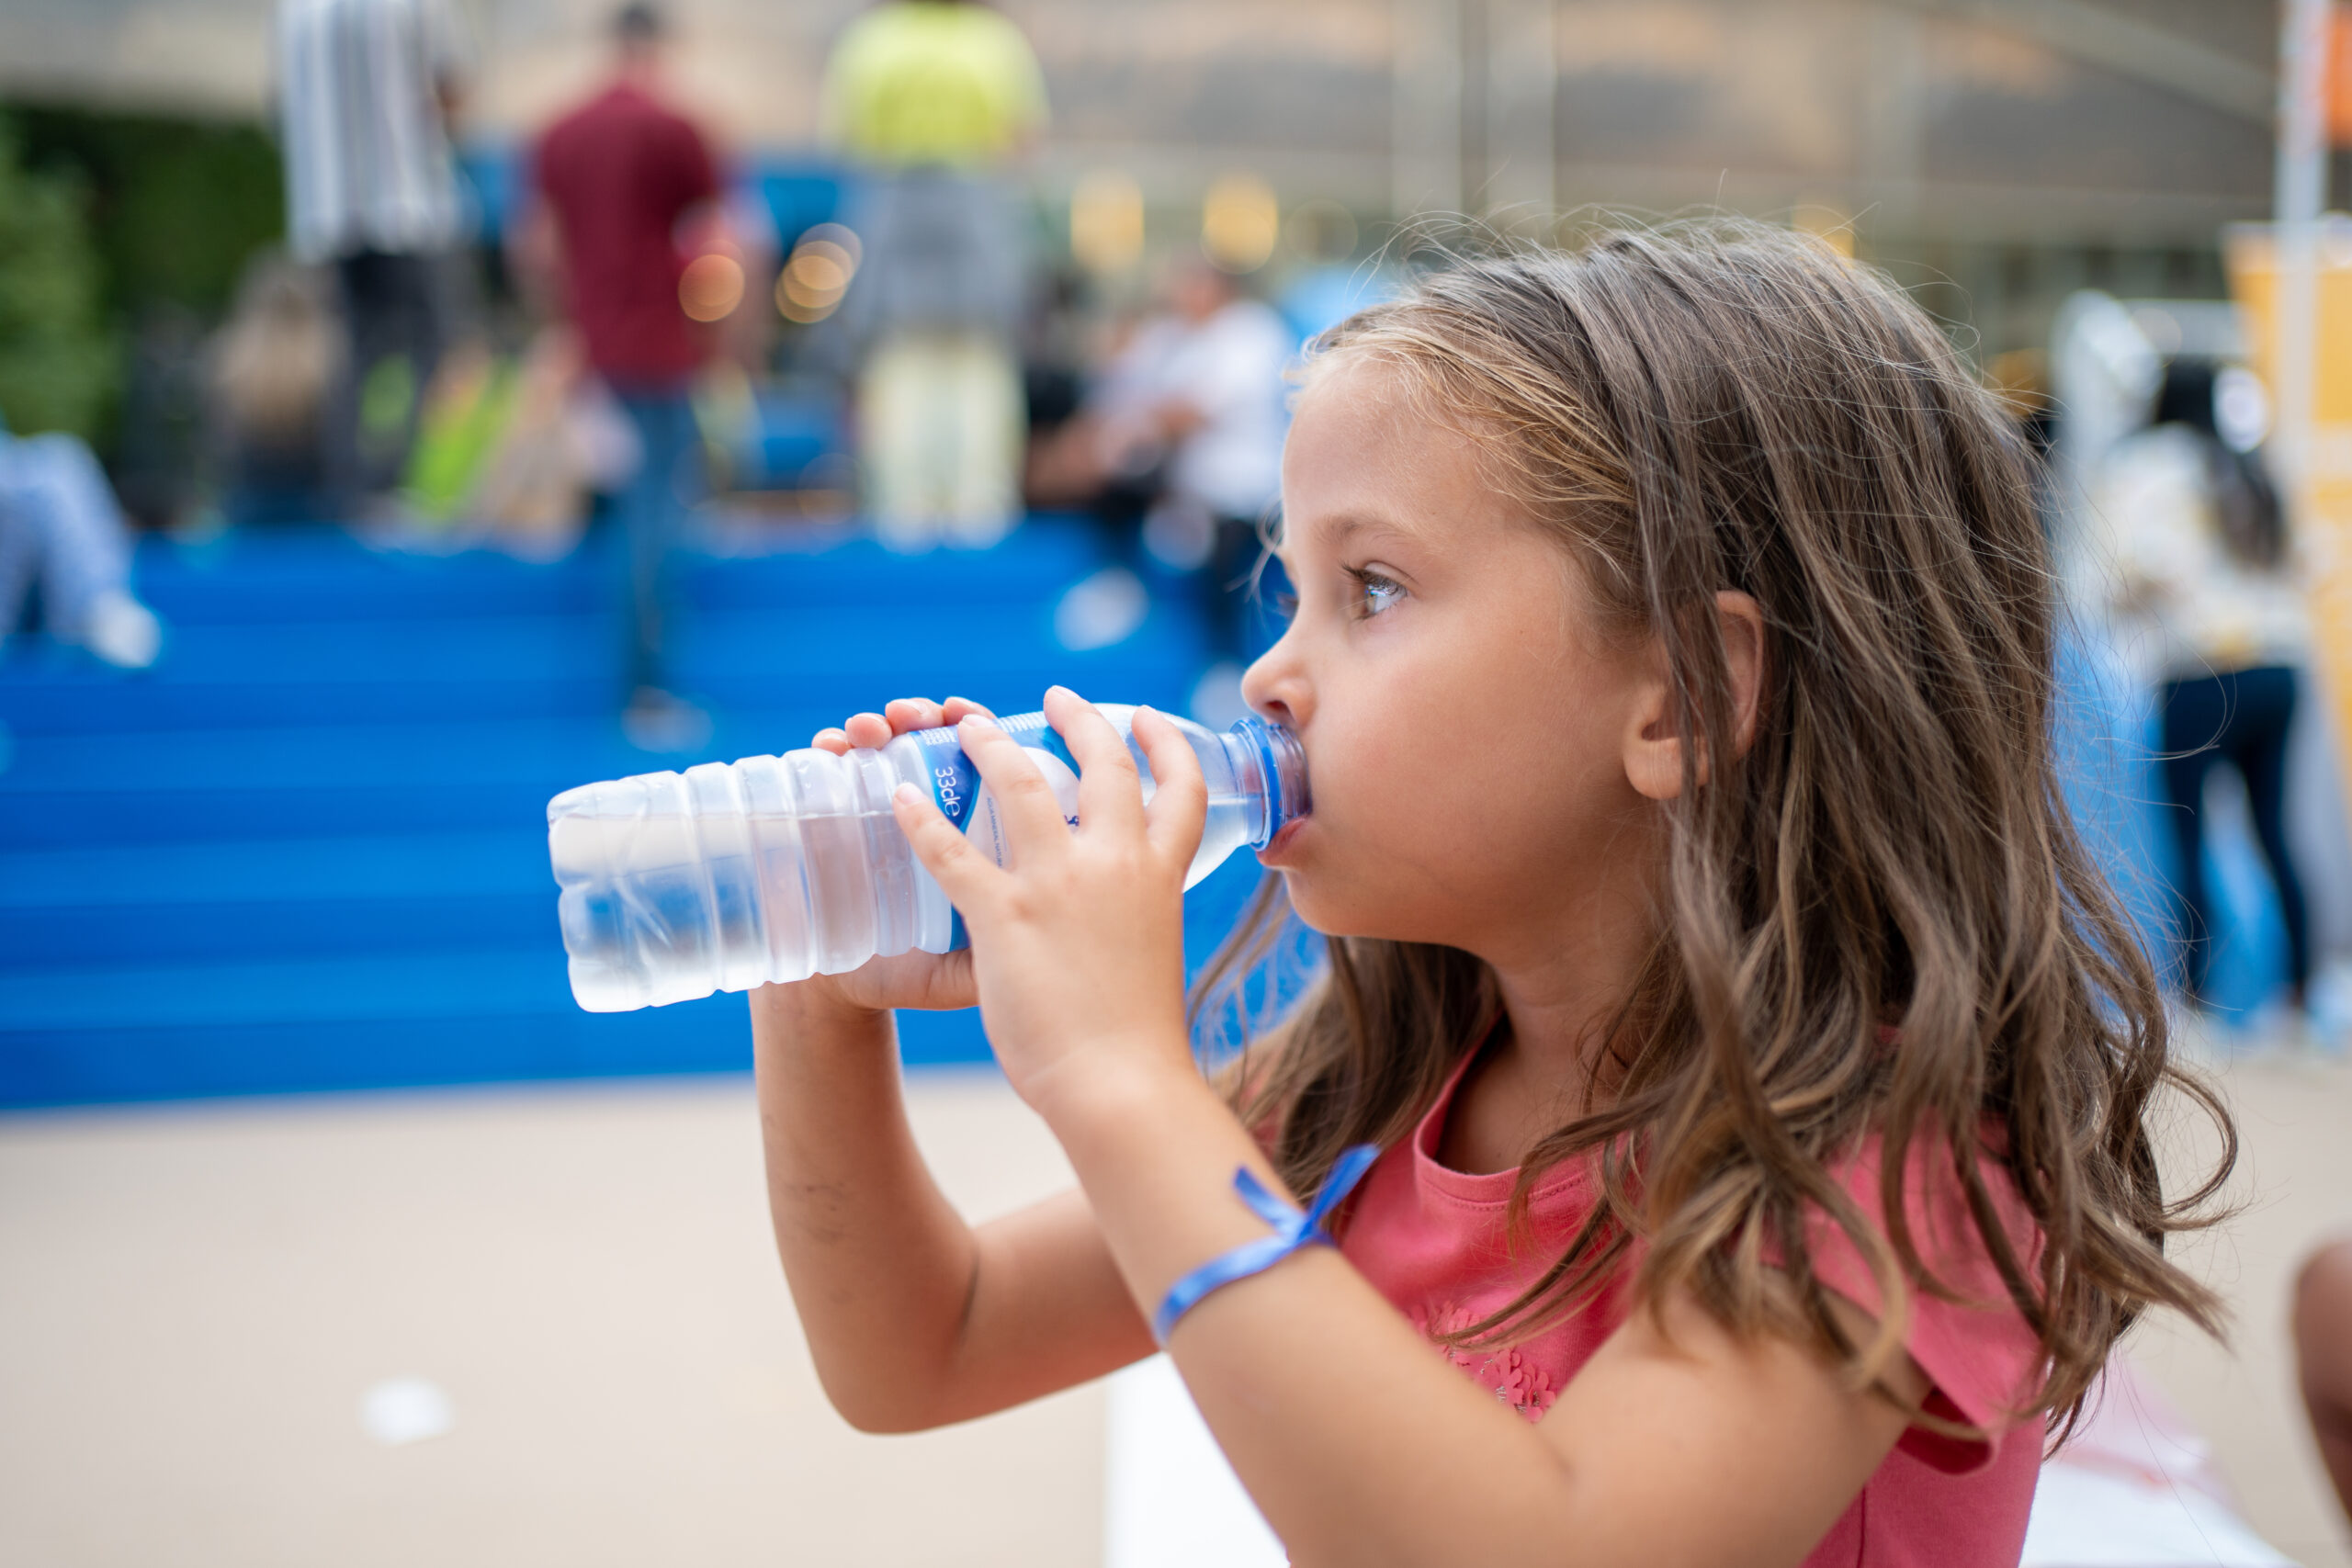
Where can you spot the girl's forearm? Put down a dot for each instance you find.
(880, 1265)
(1358, 1441)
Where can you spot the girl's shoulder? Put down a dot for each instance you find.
(1963, 1322)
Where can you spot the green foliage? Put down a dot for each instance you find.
(57, 355)
(179, 206)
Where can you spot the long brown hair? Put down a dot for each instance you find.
(1723, 405)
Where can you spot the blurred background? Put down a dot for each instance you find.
(414, 407)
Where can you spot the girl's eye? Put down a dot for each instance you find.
(1374, 593)
(1286, 604)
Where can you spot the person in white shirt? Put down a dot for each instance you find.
(367, 90)
(1201, 388)
(2205, 604)
(1182, 429)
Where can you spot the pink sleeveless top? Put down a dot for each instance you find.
(1431, 1240)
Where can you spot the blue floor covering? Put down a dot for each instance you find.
(308, 850)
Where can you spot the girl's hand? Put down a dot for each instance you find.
(1079, 941)
(930, 981)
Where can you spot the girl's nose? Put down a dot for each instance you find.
(1276, 688)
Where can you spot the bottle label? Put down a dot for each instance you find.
(964, 799)
(986, 829)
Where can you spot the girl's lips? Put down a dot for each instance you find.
(1280, 841)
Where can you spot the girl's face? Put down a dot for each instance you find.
(1468, 725)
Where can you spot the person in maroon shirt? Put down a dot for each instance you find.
(617, 179)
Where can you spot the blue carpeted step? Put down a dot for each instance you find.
(89, 700)
(322, 574)
(32, 818)
(81, 1067)
(473, 983)
(340, 1022)
(137, 1028)
(191, 932)
(210, 785)
(286, 870)
(432, 983)
(286, 897)
(237, 677)
(144, 905)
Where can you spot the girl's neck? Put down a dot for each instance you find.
(1562, 972)
(1535, 1075)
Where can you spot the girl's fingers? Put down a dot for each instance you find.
(961, 871)
(914, 713)
(1025, 803)
(896, 718)
(1180, 802)
(958, 709)
(1110, 791)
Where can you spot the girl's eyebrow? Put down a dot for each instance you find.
(1337, 531)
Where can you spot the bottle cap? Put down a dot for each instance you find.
(1281, 767)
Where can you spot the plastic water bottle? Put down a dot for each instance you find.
(734, 874)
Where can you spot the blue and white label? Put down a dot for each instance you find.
(986, 829)
(967, 801)
(955, 782)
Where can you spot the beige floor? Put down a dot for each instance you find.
(2293, 1187)
(195, 1299)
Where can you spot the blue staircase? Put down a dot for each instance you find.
(308, 850)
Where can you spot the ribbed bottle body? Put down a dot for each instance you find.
(731, 875)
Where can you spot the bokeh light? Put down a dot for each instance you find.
(1106, 222)
(711, 287)
(1240, 222)
(818, 273)
(1321, 231)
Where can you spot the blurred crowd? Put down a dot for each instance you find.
(602, 347)
(637, 338)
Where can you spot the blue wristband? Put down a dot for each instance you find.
(1293, 1231)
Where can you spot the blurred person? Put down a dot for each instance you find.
(1184, 428)
(506, 447)
(2206, 601)
(2322, 1330)
(272, 375)
(367, 92)
(931, 97)
(63, 532)
(619, 181)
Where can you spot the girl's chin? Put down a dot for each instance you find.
(1327, 904)
(1356, 912)
(1322, 914)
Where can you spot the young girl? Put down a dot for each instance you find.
(1757, 1066)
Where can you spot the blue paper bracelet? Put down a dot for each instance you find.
(1293, 1231)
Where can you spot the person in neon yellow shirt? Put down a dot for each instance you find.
(930, 98)
(936, 82)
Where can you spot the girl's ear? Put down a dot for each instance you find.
(1653, 750)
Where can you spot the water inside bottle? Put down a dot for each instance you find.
(775, 868)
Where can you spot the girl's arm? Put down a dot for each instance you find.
(1677, 1444)
(914, 1318)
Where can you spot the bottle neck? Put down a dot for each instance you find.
(1273, 764)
